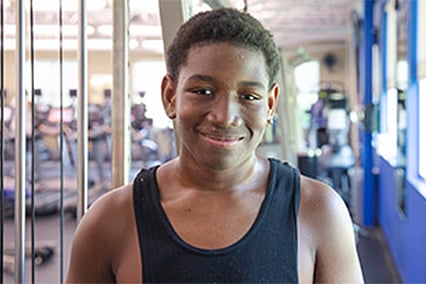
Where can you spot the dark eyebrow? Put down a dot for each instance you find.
(201, 77)
(253, 84)
(207, 78)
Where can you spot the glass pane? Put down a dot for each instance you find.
(422, 128)
(151, 131)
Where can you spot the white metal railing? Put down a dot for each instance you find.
(120, 127)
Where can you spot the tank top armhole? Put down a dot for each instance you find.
(143, 202)
(297, 192)
(137, 197)
(293, 173)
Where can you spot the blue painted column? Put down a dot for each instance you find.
(412, 103)
(369, 196)
(412, 43)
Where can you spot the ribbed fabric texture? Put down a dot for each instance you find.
(267, 253)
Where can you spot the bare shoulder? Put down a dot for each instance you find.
(325, 218)
(108, 210)
(322, 211)
(101, 228)
(318, 200)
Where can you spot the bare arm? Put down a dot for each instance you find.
(336, 258)
(90, 260)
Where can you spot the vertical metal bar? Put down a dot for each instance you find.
(82, 179)
(286, 109)
(61, 146)
(120, 114)
(367, 157)
(20, 143)
(2, 98)
(172, 15)
(33, 141)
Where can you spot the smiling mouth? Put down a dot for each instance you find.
(222, 141)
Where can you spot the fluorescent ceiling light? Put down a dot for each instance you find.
(145, 30)
(92, 44)
(67, 30)
(69, 5)
(53, 5)
(104, 30)
(50, 30)
(134, 30)
(45, 44)
(53, 44)
(72, 44)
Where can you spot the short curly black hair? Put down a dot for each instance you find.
(222, 25)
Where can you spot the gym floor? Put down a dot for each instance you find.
(376, 260)
(47, 231)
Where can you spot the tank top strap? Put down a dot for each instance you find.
(285, 180)
(145, 202)
(142, 183)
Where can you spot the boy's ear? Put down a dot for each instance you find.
(168, 96)
(273, 99)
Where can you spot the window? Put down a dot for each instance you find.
(402, 74)
(46, 81)
(421, 73)
(307, 78)
(392, 140)
(421, 39)
(422, 128)
(392, 120)
(147, 77)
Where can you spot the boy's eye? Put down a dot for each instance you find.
(204, 92)
(249, 97)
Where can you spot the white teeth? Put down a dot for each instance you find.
(223, 139)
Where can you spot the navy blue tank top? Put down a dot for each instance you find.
(267, 253)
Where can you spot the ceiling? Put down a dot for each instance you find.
(294, 23)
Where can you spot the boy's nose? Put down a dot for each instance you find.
(226, 111)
